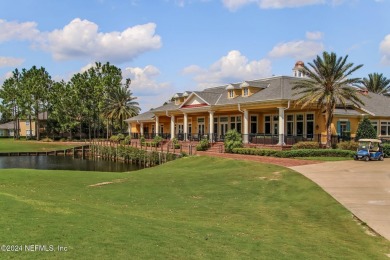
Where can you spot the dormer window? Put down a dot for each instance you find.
(245, 92)
(231, 93)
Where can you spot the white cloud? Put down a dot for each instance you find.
(314, 35)
(10, 62)
(149, 91)
(277, 4)
(80, 38)
(233, 5)
(385, 50)
(18, 31)
(230, 68)
(299, 50)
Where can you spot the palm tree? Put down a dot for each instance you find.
(327, 85)
(376, 83)
(120, 104)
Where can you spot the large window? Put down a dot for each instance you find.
(309, 125)
(271, 124)
(375, 125)
(299, 125)
(246, 92)
(267, 124)
(385, 128)
(231, 93)
(290, 125)
(215, 125)
(253, 124)
(235, 123)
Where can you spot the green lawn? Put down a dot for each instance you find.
(11, 145)
(192, 208)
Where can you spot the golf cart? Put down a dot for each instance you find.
(369, 149)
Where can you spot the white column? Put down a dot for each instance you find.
(157, 128)
(129, 128)
(141, 129)
(172, 127)
(185, 130)
(281, 126)
(211, 125)
(246, 126)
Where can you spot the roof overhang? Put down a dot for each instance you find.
(184, 105)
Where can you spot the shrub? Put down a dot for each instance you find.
(127, 140)
(120, 137)
(233, 140)
(114, 138)
(47, 139)
(175, 143)
(295, 153)
(142, 140)
(306, 145)
(350, 145)
(203, 145)
(157, 141)
(317, 153)
(386, 150)
(365, 130)
(256, 151)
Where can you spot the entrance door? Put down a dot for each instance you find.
(275, 125)
(189, 129)
(201, 129)
(180, 131)
(223, 128)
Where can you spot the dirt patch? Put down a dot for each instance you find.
(107, 182)
(100, 184)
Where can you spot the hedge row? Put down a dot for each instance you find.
(386, 150)
(296, 153)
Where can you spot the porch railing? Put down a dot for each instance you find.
(259, 138)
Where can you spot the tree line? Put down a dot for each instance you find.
(92, 103)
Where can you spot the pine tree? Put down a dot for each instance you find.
(366, 130)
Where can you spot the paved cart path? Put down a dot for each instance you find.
(362, 187)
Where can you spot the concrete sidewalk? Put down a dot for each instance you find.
(362, 187)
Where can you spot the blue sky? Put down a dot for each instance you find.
(169, 46)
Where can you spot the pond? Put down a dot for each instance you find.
(64, 163)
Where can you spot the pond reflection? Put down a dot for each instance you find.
(64, 163)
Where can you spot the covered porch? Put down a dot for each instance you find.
(266, 125)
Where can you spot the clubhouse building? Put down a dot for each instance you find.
(264, 111)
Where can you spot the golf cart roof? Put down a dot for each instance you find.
(370, 140)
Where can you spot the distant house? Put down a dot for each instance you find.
(8, 129)
(262, 110)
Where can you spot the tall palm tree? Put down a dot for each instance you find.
(120, 104)
(327, 85)
(376, 83)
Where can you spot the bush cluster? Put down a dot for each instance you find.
(127, 140)
(47, 139)
(137, 155)
(350, 145)
(117, 138)
(306, 145)
(203, 145)
(175, 143)
(233, 140)
(365, 130)
(295, 153)
(386, 150)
